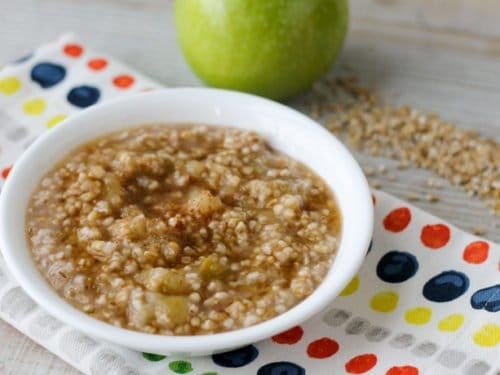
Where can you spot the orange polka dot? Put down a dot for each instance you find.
(402, 370)
(397, 220)
(435, 235)
(322, 348)
(476, 252)
(361, 364)
(124, 81)
(97, 64)
(290, 337)
(73, 50)
(6, 171)
(374, 200)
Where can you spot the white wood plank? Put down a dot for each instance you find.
(474, 18)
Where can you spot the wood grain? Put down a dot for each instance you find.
(440, 56)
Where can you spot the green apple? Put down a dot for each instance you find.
(273, 48)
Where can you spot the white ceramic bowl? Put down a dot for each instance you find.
(286, 129)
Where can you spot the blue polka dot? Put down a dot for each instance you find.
(487, 298)
(397, 266)
(23, 58)
(48, 74)
(369, 247)
(446, 286)
(281, 368)
(84, 96)
(236, 358)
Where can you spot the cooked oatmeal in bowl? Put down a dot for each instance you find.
(182, 230)
(136, 224)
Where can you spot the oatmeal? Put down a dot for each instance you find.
(182, 230)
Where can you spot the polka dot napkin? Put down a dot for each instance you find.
(426, 300)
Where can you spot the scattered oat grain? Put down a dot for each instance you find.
(478, 231)
(414, 138)
(412, 197)
(432, 198)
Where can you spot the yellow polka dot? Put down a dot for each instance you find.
(34, 106)
(418, 315)
(384, 301)
(351, 287)
(451, 323)
(9, 85)
(53, 121)
(488, 335)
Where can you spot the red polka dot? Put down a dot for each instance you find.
(397, 219)
(374, 200)
(322, 348)
(124, 81)
(290, 337)
(476, 252)
(97, 64)
(361, 364)
(6, 171)
(73, 50)
(435, 236)
(402, 370)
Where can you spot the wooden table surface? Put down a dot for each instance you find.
(442, 56)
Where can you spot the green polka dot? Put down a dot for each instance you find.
(153, 357)
(180, 367)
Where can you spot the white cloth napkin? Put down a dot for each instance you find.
(426, 300)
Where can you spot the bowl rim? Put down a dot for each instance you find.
(191, 345)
